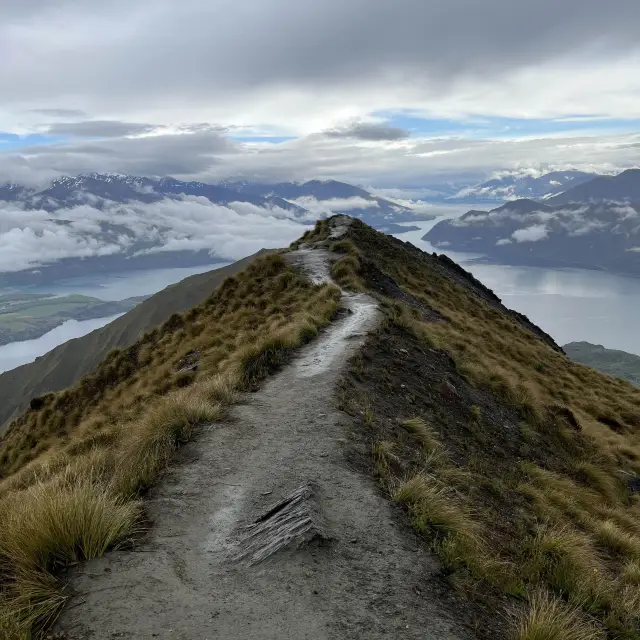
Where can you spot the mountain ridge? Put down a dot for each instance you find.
(590, 226)
(69, 361)
(459, 410)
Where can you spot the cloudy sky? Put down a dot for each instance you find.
(402, 94)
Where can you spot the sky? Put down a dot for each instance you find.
(407, 95)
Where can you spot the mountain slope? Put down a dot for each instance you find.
(624, 187)
(68, 362)
(594, 236)
(517, 467)
(610, 361)
(341, 197)
(510, 187)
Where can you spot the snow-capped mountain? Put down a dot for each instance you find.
(624, 187)
(110, 222)
(513, 186)
(340, 197)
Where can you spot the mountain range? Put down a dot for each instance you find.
(514, 186)
(594, 225)
(391, 452)
(97, 223)
(100, 189)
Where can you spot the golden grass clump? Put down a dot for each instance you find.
(74, 465)
(549, 618)
(149, 446)
(548, 447)
(425, 433)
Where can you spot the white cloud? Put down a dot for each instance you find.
(327, 207)
(531, 234)
(29, 239)
(503, 241)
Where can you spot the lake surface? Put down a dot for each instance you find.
(120, 285)
(14, 354)
(108, 286)
(569, 304)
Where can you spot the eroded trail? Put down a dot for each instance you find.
(225, 560)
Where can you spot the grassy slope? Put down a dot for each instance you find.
(75, 464)
(512, 460)
(509, 458)
(67, 363)
(610, 361)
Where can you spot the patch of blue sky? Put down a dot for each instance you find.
(496, 127)
(12, 141)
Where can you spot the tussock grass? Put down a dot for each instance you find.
(611, 536)
(549, 618)
(50, 525)
(548, 445)
(149, 446)
(631, 572)
(434, 507)
(74, 465)
(425, 433)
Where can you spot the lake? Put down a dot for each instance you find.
(108, 286)
(120, 285)
(569, 304)
(14, 354)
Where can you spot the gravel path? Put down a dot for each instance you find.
(224, 560)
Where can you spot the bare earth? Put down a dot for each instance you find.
(222, 562)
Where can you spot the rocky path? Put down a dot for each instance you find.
(262, 530)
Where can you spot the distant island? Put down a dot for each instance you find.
(26, 316)
(611, 361)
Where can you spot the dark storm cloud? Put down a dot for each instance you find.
(368, 131)
(191, 49)
(99, 129)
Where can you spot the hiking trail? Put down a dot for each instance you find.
(261, 528)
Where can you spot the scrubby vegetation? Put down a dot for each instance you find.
(518, 465)
(76, 463)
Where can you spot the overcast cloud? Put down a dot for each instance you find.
(164, 88)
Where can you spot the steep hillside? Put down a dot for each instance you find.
(76, 461)
(610, 361)
(509, 187)
(519, 466)
(624, 187)
(594, 236)
(516, 466)
(68, 362)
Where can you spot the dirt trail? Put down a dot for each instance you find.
(221, 561)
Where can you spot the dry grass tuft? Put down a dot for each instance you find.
(73, 465)
(612, 537)
(152, 441)
(434, 507)
(51, 525)
(549, 618)
(426, 434)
